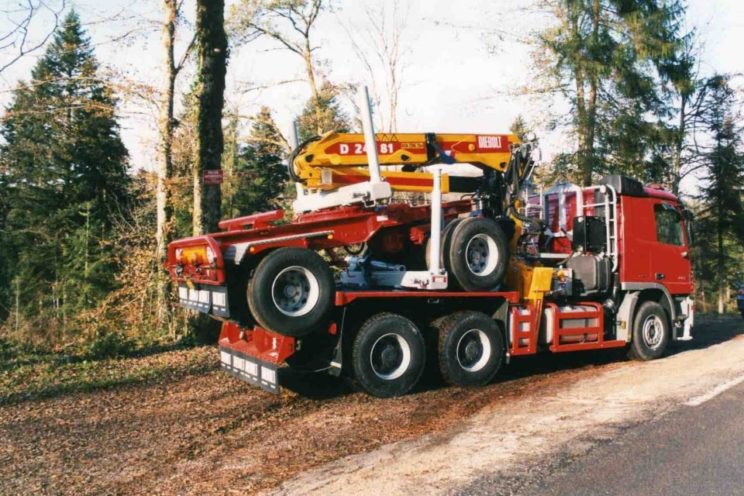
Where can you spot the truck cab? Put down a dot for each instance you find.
(625, 244)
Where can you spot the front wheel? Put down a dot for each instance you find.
(650, 332)
(388, 355)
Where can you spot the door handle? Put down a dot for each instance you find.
(660, 276)
(685, 254)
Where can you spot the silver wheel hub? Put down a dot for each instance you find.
(295, 291)
(653, 331)
(390, 356)
(473, 350)
(481, 255)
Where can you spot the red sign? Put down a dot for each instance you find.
(212, 176)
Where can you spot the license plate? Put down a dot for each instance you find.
(256, 372)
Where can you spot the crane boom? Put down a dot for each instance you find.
(339, 159)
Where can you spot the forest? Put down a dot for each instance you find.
(83, 229)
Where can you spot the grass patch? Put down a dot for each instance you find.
(28, 373)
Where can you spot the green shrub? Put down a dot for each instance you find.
(110, 345)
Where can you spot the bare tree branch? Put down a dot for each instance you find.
(17, 38)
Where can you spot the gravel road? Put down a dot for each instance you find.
(207, 433)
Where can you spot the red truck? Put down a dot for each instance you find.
(349, 286)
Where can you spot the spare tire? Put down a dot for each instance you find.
(291, 292)
(478, 254)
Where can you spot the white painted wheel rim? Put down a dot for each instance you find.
(390, 356)
(481, 255)
(653, 331)
(295, 291)
(473, 350)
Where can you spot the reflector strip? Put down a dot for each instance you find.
(250, 369)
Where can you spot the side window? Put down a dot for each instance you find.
(668, 225)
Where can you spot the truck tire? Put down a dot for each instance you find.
(471, 348)
(650, 332)
(478, 254)
(388, 355)
(291, 292)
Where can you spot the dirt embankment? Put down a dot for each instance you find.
(204, 432)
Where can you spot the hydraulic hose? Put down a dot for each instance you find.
(293, 155)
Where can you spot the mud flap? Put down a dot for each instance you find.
(256, 372)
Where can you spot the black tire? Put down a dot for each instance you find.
(651, 332)
(471, 348)
(305, 302)
(388, 355)
(478, 254)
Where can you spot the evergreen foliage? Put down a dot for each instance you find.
(259, 175)
(721, 222)
(64, 179)
(616, 61)
(324, 114)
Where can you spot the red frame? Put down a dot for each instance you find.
(325, 229)
(257, 342)
(598, 330)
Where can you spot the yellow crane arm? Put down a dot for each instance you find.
(338, 159)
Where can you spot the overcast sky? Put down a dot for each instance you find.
(464, 62)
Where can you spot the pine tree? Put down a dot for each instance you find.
(610, 59)
(66, 177)
(722, 219)
(323, 114)
(260, 174)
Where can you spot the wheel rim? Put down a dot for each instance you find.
(295, 291)
(390, 356)
(481, 254)
(653, 331)
(473, 350)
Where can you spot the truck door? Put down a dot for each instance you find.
(670, 262)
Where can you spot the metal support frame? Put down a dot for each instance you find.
(609, 204)
(435, 277)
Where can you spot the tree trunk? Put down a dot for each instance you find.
(678, 146)
(165, 123)
(721, 263)
(591, 108)
(163, 199)
(212, 49)
(310, 71)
